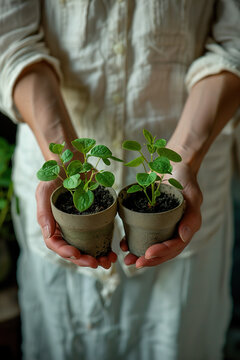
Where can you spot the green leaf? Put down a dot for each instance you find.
(5, 180)
(160, 143)
(93, 185)
(115, 158)
(82, 199)
(106, 162)
(145, 180)
(49, 171)
(105, 178)
(86, 167)
(131, 145)
(84, 145)
(3, 203)
(136, 162)
(148, 136)
(170, 154)
(160, 165)
(3, 167)
(56, 148)
(101, 151)
(72, 182)
(66, 156)
(151, 148)
(175, 183)
(134, 188)
(74, 167)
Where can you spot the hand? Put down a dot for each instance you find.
(190, 223)
(52, 235)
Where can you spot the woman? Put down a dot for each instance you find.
(108, 69)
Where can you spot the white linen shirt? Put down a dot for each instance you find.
(124, 65)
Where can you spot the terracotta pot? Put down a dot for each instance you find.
(145, 229)
(91, 234)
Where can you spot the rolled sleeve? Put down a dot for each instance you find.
(222, 47)
(21, 44)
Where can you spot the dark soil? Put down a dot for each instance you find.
(102, 200)
(138, 202)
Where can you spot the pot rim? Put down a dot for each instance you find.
(83, 215)
(154, 213)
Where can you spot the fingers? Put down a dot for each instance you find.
(61, 247)
(106, 261)
(124, 244)
(85, 261)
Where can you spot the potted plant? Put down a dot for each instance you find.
(85, 205)
(150, 209)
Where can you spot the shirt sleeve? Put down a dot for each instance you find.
(21, 44)
(222, 47)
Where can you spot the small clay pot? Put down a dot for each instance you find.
(91, 234)
(145, 229)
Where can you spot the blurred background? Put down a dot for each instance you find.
(10, 319)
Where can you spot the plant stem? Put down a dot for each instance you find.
(153, 194)
(143, 162)
(149, 200)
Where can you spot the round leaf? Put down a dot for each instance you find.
(105, 178)
(170, 154)
(160, 143)
(86, 167)
(49, 171)
(148, 136)
(134, 188)
(93, 185)
(74, 167)
(66, 156)
(101, 151)
(72, 182)
(84, 145)
(83, 200)
(56, 148)
(106, 162)
(175, 183)
(145, 179)
(131, 145)
(160, 165)
(136, 162)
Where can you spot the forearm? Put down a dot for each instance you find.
(38, 99)
(210, 105)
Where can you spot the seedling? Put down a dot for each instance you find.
(81, 177)
(155, 169)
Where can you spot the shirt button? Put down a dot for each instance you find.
(117, 99)
(119, 48)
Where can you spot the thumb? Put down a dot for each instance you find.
(44, 212)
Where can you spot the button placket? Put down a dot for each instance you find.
(116, 76)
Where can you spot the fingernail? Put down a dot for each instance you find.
(186, 233)
(139, 267)
(73, 258)
(46, 232)
(150, 257)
